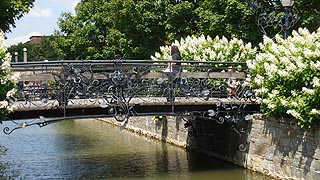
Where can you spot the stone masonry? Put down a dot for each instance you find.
(275, 147)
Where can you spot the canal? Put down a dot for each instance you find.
(90, 149)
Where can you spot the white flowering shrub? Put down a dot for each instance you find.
(203, 48)
(285, 76)
(7, 89)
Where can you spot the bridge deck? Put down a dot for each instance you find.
(141, 106)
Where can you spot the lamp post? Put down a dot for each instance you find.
(270, 18)
(25, 59)
(287, 4)
(16, 56)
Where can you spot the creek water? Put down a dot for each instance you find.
(91, 149)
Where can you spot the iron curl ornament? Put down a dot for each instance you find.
(272, 17)
(125, 88)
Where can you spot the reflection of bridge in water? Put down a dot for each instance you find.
(125, 88)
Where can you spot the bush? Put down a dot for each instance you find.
(207, 49)
(284, 73)
(7, 89)
(285, 76)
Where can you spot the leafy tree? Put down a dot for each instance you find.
(271, 15)
(12, 10)
(122, 29)
(37, 51)
(181, 20)
(229, 18)
(19, 49)
(309, 12)
(135, 29)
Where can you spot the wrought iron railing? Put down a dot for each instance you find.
(121, 85)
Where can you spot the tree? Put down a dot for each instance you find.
(228, 18)
(37, 51)
(309, 12)
(12, 10)
(135, 29)
(122, 29)
(270, 15)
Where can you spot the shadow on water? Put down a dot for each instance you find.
(89, 149)
(5, 172)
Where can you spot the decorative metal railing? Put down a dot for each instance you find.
(120, 86)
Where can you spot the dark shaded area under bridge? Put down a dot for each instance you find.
(124, 88)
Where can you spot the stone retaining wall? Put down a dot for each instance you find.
(167, 129)
(279, 148)
(275, 147)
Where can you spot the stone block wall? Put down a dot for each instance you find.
(279, 148)
(167, 129)
(275, 147)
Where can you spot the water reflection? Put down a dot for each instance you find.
(89, 149)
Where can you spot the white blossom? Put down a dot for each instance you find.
(262, 90)
(315, 82)
(11, 93)
(301, 65)
(154, 58)
(308, 91)
(290, 66)
(157, 55)
(294, 93)
(259, 79)
(4, 104)
(283, 73)
(315, 66)
(315, 111)
(271, 106)
(294, 104)
(294, 113)
(5, 77)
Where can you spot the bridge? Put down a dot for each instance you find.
(53, 91)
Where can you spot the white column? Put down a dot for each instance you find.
(16, 56)
(25, 58)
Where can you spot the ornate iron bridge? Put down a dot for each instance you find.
(61, 90)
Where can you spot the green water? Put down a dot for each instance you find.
(89, 149)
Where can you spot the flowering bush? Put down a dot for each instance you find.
(7, 89)
(285, 76)
(208, 49)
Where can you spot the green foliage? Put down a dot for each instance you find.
(7, 82)
(228, 18)
(111, 29)
(309, 13)
(134, 29)
(12, 10)
(285, 76)
(37, 51)
(181, 20)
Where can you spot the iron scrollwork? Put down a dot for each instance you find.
(235, 115)
(270, 16)
(119, 86)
